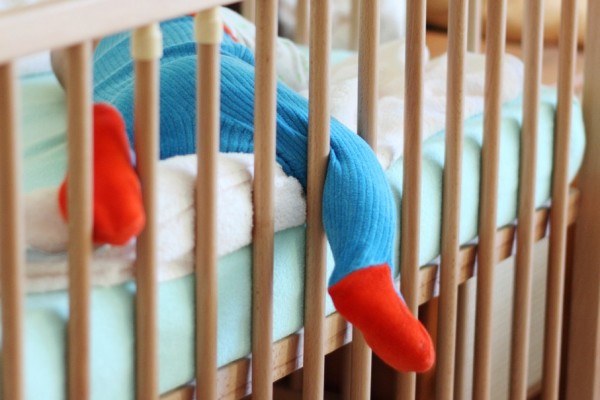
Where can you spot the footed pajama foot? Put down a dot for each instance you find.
(118, 209)
(368, 300)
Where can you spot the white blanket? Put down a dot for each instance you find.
(46, 233)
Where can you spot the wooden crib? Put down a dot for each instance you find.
(574, 211)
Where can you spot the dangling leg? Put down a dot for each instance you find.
(359, 218)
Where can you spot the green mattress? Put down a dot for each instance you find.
(113, 308)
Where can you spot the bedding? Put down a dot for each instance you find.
(112, 313)
(392, 20)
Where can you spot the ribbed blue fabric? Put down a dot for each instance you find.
(358, 208)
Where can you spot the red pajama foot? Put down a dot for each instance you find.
(368, 300)
(118, 209)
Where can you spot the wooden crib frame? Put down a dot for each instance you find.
(73, 24)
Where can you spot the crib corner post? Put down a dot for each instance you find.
(583, 376)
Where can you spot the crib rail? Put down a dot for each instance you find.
(316, 242)
(82, 21)
(11, 237)
(411, 208)
(368, 41)
(79, 196)
(496, 33)
(583, 369)
(209, 29)
(146, 50)
(61, 23)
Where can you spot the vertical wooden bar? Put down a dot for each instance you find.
(367, 129)
(461, 378)
(416, 11)
(209, 32)
(475, 22)
(249, 10)
(146, 49)
(302, 21)
(79, 130)
(367, 71)
(264, 164)
(464, 291)
(316, 243)
(488, 210)
(532, 46)
(583, 377)
(355, 23)
(451, 210)
(558, 212)
(11, 238)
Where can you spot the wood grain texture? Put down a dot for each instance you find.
(249, 10)
(302, 33)
(355, 24)
(488, 211)
(411, 186)
(146, 130)
(532, 48)
(208, 114)
(60, 23)
(583, 379)
(316, 242)
(558, 213)
(475, 22)
(263, 199)
(79, 194)
(12, 243)
(234, 379)
(360, 384)
(451, 204)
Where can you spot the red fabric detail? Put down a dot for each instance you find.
(118, 209)
(230, 33)
(367, 299)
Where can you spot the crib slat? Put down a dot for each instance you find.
(411, 201)
(583, 366)
(248, 10)
(209, 31)
(316, 244)
(11, 238)
(474, 31)
(360, 385)
(79, 97)
(301, 35)
(560, 193)
(367, 71)
(461, 378)
(264, 164)
(354, 24)
(495, 44)
(451, 209)
(532, 44)
(146, 48)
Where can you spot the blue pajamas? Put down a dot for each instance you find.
(358, 208)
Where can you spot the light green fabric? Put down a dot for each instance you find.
(113, 308)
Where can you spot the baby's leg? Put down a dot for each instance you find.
(358, 214)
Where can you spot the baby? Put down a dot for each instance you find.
(359, 213)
